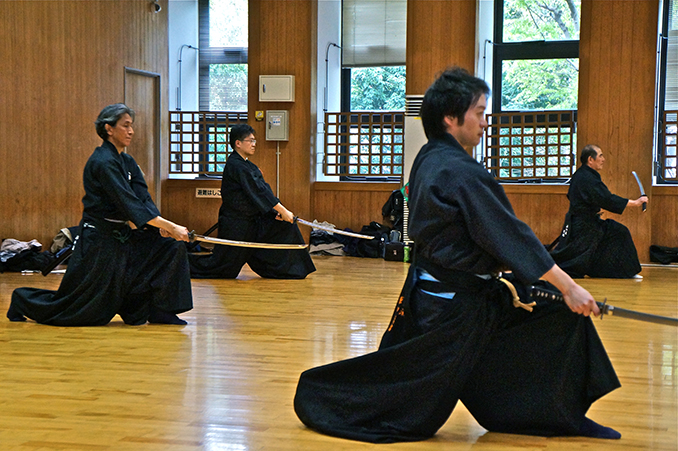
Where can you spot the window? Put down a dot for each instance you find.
(223, 55)
(367, 145)
(364, 146)
(374, 33)
(667, 136)
(374, 40)
(377, 88)
(365, 141)
(536, 55)
(199, 139)
(535, 69)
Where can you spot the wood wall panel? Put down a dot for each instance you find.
(543, 208)
(197, 214)
(282, 41)
(351, 205)
(440, 33)
(664, 216)
(616, 99)
(62, 63)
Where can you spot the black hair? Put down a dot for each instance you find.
(238, 133)
(111, 115)
(452, 94)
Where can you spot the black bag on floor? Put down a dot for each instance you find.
(663, 254)
(359, 247)
(373, 248)
(28, 260)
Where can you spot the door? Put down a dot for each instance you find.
(142, 94)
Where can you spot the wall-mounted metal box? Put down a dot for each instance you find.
(277, 125)
(276, 88)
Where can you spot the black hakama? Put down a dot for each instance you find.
(517, 372)
(113, 269)
(457, 336)
(225, 262)
(106, 277)
(593, 246)
(247, 214)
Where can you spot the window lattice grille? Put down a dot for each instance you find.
(364, 144)
(199, 141)
(668, 158)
(531, 145)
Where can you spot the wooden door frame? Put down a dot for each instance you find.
(158, 106)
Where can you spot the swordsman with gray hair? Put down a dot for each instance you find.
(127, 259)
(589, 245)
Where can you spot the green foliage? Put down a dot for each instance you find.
(534, 20)
(228, 87)
(539, 85)
(378, 88)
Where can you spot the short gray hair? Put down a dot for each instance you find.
(111, 115)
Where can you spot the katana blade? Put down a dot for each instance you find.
(207, 239)
(329, 229)
(608, 309)
(640, 186)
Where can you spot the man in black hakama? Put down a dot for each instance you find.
(114, 269)
(455, 333)
(251, 212)
(592, 246)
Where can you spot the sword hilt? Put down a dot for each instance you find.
(295, 220)
(538, 292)
(541, 293)
(191, 236)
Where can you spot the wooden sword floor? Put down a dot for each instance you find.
(227, 380)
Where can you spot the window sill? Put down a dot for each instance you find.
(356, 186)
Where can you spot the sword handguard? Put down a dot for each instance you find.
(604, 308)
(191, 236)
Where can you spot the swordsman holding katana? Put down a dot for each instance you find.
(589, 245)
(455, 333)
(250, 212)
(126, 259)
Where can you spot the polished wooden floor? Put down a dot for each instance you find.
(227, 380)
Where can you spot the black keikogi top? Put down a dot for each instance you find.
(244, 192)
(588, 194)
(115, 188)
(461, 219)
